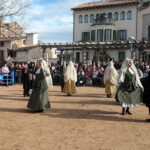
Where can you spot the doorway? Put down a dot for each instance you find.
(77, 57)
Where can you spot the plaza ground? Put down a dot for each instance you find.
(85, 121)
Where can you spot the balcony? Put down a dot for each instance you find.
(103, 20)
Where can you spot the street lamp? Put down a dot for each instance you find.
(132, 50)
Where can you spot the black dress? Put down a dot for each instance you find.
(26, 82)
(146, 94)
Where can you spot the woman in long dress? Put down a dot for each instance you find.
(146, 94)
(70, 78)
(110, 79)
(129, 91)
(39, 99)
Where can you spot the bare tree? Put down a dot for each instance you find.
(10, 10)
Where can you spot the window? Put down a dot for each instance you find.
(122, 35)
(129, 15)
(100, 35)
(121, 55)
(108, 35)
(91, 18)
(116, 16)
(97, 16)
(86, 19)
(148, 32)
(1, 44)
(104, 15)
(93, 35)
(85, 36)
(110, 15)
(122, 15)
(80, 19)
(77, 57)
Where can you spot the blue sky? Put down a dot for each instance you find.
(52, 19)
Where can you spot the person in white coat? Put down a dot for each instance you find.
(70, 78)
(110, 79)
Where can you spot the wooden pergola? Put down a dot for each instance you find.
(99, 47)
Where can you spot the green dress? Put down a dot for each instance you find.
(128, 92)
(39, 99)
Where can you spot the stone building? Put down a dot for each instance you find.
(9, 33)
(12, 38)
(144, 21)
(107, 21)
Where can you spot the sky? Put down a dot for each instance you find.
(52, 19)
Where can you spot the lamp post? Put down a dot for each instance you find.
(132, 50)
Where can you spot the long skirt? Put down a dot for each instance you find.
(109, 87)
(39, 100)
(129, 98)
(70, 87)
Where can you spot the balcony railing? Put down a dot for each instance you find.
(103, 21)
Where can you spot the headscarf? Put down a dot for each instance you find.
(132, 70)
(46, 69)
(110, 73)
(70, 73)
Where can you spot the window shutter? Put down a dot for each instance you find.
(88, 39)
(105, 36)
(102, 36)
(82, 36)
(126, 35)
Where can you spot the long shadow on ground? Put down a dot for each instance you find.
(84, 102)
(77, 114)
(88, 114)
(82, 95)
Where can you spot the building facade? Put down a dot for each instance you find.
(9, 32)
(144, 21)
(107, 21)
(12, 38)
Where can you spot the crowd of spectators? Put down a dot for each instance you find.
(91, 74)
(17, 68)
(88, 74)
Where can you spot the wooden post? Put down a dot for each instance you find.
(61, 57)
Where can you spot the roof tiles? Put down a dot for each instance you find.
(104, 4)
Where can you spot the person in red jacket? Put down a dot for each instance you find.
(87, 74)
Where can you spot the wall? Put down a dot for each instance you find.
(129, 25)
(4, 48)
(31, 39)
(35, 53)
(52, 53)
(146, 23)
(143, 19)
(115, 54)
(21, 53)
